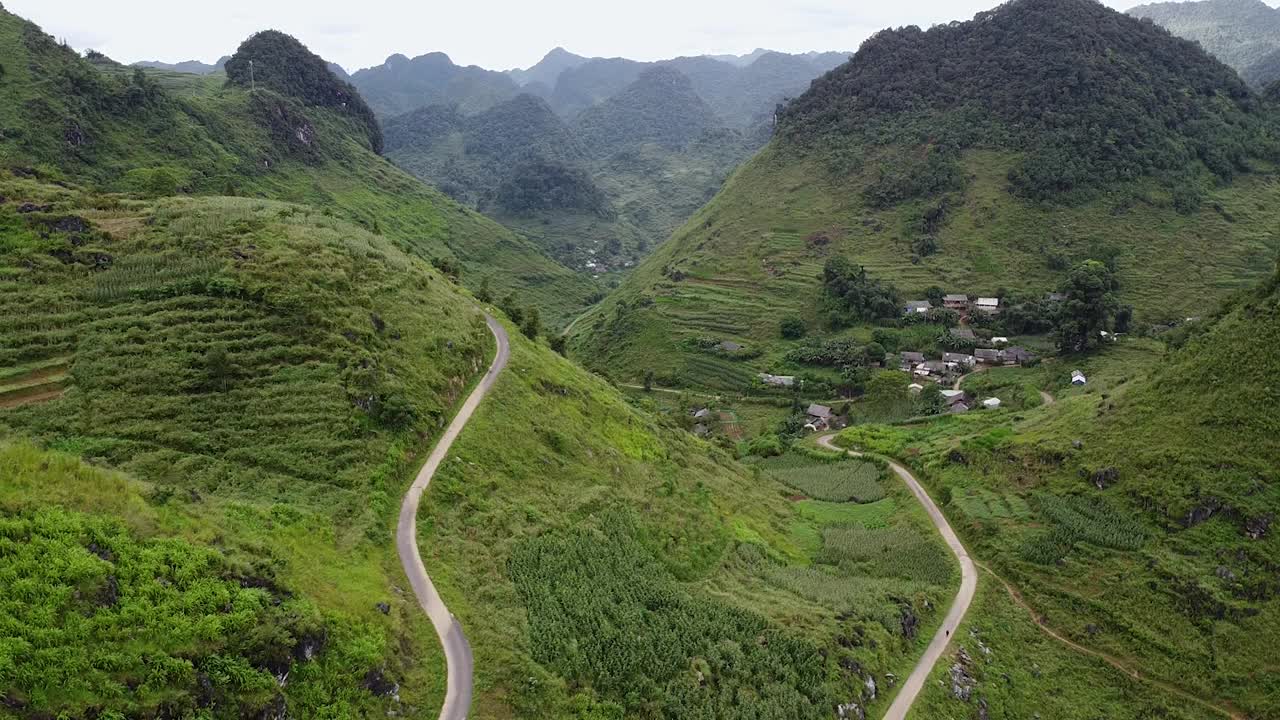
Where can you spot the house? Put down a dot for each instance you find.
(821, 412)
(958, 408)
(999, 341)
(729, 346)
(951, 397)
(910, 360)
(1078, 379)
(1018, 356)
(778, 380)
(989, 305)
(1056, 297)
(937, 368)
(955, 302)
(917, 307)
(989, 356)
(963, 333)
(959, 359)
(702, 414)
(915, 388)
(991, 403)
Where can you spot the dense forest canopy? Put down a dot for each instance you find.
(660, 106)
(278, 61)
(1090, 95)
(1240, 33)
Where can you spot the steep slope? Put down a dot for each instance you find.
(401, 85)
(1240, 33)
(122, 130)
(659, 107)
(978, 156)
(592, 82)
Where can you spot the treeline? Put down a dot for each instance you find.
(1091, 96)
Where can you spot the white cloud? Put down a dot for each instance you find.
(491, 33)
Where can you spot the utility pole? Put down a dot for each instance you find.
(253, 86)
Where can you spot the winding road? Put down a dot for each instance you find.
(457, 653)
(968, 585)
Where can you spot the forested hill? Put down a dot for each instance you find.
(283, 64)
(293, 132)
(1244, 34)
(660, 106)
(401, 85)
(1092, 96)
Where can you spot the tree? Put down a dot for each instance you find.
(219, 370)
(853, 295)
(648, 381)
(931, 400)
(558, 343)
(510, 306)
(1090, 305)
(485, 295)
(532, 326)
(792, 328)
(935, 295)
(887, 391)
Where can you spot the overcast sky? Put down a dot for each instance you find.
(490, 33)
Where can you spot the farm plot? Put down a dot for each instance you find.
(859, 481)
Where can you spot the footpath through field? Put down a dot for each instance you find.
(968, 585)
(457, 653)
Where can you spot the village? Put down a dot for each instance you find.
(944, 368)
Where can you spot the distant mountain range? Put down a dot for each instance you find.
(195, 67)
(1244, 34)
(738, 88)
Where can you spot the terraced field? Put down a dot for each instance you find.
(33, 383)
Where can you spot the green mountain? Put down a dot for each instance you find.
(1240, 33)
(659, 107)
(191, 67)
(303, 136)
(983, 158)
(401, 85)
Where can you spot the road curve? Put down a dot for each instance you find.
(457, 653)
(968, 585)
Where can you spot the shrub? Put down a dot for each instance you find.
(792, 328)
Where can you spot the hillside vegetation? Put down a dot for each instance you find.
(265, 375)
(1244, 34)
(123, 129)
(928, 163)
(1135, 515)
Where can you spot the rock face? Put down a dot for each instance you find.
(962, 682)
(1256, 528)
(910, 622)
(1105, 478)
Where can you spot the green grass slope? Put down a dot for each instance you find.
(266, 376)
(982, 184)
(1135, 515)
(122, 130)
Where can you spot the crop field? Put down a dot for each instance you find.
(858, 481)
(886, 552)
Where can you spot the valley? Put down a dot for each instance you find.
(931, 381)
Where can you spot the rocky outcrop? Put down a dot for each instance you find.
(1104, 478)
(962, 680)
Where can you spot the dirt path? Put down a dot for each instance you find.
(457, 652)
(968, 585)
(1113, 662)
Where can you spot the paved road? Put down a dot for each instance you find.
(457, 653)
(968, 584)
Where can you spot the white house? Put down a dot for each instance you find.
(917, 307)
(989, 305)
(915, 388)
(1078, 379)
(991, 403)
(999, 341)
(952, 397)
